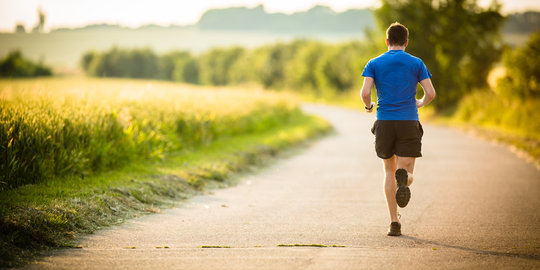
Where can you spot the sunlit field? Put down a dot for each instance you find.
(77, 126)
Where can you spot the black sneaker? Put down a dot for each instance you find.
(395, 229)
(403, 194)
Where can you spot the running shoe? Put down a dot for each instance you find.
(395, 229)
(403, 194)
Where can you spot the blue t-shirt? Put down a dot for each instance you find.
(396, 75)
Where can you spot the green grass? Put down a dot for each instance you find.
(301, 245)
(54, 213)
(308, 245)
(510, 115)
(510, 121)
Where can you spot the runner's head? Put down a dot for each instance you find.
(397, 34)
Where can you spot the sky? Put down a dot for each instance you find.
(133, 13)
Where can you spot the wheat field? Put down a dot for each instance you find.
(79, 126)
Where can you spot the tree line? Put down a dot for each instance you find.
(302, 64)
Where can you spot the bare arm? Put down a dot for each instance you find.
(429, 93)
(365, 93)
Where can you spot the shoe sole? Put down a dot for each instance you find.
(403, 194)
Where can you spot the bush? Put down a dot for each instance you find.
(15, 66)
(487, 108)
(513, 104)
(522, 66)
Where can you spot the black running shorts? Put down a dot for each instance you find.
(398, 137)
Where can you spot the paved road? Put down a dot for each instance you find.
(474, 205)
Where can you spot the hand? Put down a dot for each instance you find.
(369, 110)
(419, 103)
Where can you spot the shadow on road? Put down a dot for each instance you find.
(478, 251)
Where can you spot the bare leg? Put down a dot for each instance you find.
(407, 163)
(390, 186)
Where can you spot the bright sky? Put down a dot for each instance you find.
(74, 13)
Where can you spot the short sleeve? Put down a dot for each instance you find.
(368, 70)
(424, 72)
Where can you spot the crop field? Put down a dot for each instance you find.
(79, 126)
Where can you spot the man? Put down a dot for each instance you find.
(398, 132)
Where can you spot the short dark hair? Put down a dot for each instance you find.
(397, 34)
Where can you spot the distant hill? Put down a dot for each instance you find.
(104, 26)
(319, 19)
(526, 22)
(322, 19)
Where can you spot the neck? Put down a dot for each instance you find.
(396, 48)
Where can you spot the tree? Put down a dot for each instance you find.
(141, 63)
(244, 69)
(15, 65)
(340, 69)
(215, 65)
(19, 28)
(458, 41)
(40, 26)
(302, 71)
(186, 68)
(167, 63)
(87, 59)
(522, 78)
(135, 63)
(273, 59)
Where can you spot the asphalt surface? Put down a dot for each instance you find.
(474, 205)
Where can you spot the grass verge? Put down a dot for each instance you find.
(39, 217)
(509, 121)
(524, 146)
